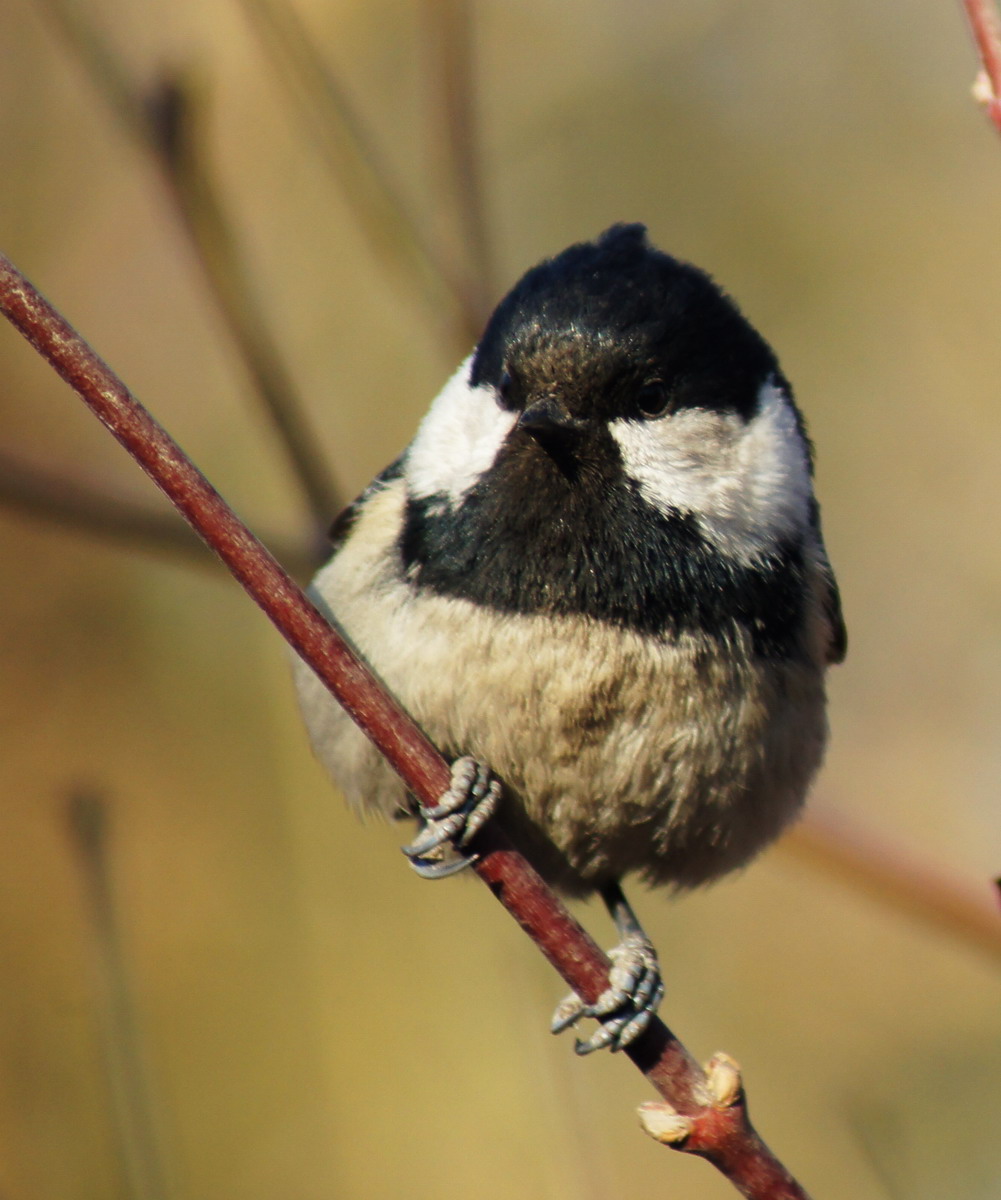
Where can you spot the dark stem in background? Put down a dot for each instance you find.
(84, 508)
(450, 72)
(718, 1132)
(385, 216)
(164, 124)
(131, 1095)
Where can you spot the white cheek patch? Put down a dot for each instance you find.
(747, 484)
(458, 440)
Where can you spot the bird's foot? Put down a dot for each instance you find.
(451, 824)
(625, 1008)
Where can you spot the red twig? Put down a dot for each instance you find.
(702, 1117)
(986, 27)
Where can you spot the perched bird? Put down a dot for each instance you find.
(598, 568)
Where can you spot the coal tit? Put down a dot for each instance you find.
(599, 569)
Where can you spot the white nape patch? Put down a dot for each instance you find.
(747, 484)
(458, 440)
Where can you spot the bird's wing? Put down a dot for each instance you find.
(345, 520)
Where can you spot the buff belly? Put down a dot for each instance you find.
(674, 758)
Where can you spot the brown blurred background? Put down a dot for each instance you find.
(310, 1019)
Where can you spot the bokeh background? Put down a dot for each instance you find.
(300, 1015)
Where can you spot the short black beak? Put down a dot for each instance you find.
(550, 424)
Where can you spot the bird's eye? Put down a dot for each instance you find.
(505, 389)
(654, 400)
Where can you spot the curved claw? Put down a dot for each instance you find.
(626, 1007)
(568, 1012)
(432, 868)
(460, 813)
(435, 833)
(606, 1035)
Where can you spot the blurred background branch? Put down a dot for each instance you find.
(451, 71)
(88, 509)
(132, 1096)
(167, 121)
(386, 218)
(882, 870)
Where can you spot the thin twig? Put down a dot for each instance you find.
(904, 882)
(718, 1130)
(71, 504)
(451, 71)
(164, 124)
(986, 28)
(135, 1116)
(385, 216)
